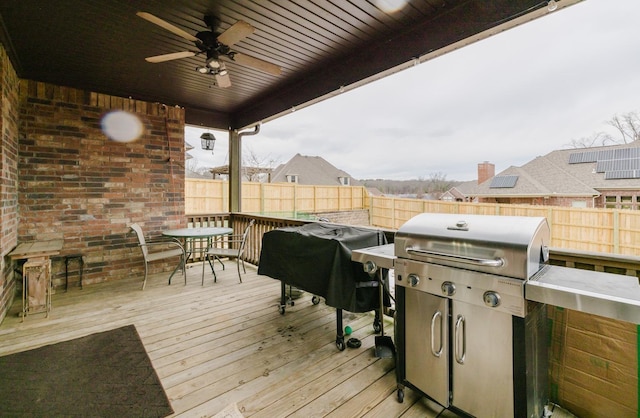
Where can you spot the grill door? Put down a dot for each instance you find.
(427, 344)
(482, 361)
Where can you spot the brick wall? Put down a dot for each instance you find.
(78, 185)
(540, 201)
(8, 177)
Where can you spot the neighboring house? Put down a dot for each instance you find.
(459, 193)
(598, 177)
(374, 191)
(304, 169)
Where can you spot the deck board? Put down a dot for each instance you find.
(226, 342)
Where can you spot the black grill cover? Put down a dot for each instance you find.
(317, 258)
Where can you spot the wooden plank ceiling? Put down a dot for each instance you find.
(322, 46)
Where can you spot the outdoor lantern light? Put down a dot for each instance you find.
(207, 141)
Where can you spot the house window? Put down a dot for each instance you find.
(621, 202)
(345, 181)
(626, 202)
(292, 178)
(578, 204)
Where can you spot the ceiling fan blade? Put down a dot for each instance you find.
(256, 63)
(168, 57)
(237, 32)
(168, 26)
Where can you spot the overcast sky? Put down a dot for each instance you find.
(505, 99)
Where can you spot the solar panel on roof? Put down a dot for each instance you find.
(617, 165)
(583, 157)
(620, 153)
(503, 182)
(622, 174)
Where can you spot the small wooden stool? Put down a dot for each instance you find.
(71, 257)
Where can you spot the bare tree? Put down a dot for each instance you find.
(191, 164)
(628, 125)
(595, 140)
(438, 184)
(256, 166)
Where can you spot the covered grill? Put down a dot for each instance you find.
(465, 334)
(317, 258)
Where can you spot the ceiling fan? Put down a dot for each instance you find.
(215, 46)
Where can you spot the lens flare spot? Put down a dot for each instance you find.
(122, 126)
(390, 6)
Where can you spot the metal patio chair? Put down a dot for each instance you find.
(233, 247)
(154, 250)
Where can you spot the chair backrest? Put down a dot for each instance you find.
(138, 230)
(245, 235)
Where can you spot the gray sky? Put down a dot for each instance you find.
(506, 99)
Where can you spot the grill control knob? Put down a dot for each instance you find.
(491, 299)
(448, 288)
(413, 279)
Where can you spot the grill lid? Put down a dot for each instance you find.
(512, 246)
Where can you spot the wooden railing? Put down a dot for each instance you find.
(612, 263)
(239, 221)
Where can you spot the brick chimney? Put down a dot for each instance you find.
(486, 170)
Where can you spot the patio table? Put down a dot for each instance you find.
(190, 235)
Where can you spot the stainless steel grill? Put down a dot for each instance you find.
(471, 294)
(465, 334)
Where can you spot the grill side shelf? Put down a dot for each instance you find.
(610, 295)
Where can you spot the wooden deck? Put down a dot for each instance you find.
(226, 343)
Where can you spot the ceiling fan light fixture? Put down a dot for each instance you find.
(202, 70)
(213, 63)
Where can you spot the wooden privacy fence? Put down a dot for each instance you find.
(596, 230)
(290, 199)
(611, 231)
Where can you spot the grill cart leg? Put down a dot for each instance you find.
(400, 393)
(339, 334)
(283, 298)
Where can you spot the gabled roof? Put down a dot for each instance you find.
(553, 175)
(463, 189)
(310, 170)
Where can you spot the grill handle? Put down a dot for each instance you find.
(460, 340)
(435, 316)
(486, 262)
